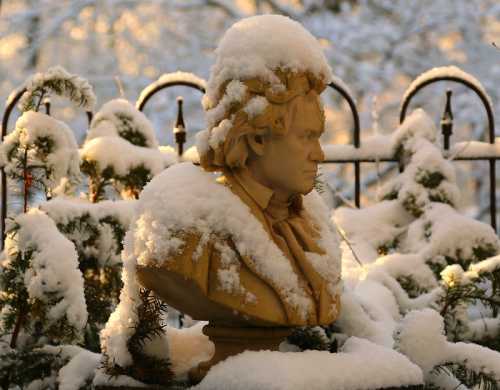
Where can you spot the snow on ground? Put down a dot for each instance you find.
(421, 338)
(359, 365)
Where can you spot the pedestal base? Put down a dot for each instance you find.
(231, 341)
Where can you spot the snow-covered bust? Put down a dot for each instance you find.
(246, 247)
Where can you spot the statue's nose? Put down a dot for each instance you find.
(317, 153)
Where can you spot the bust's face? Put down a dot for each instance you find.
(290, 162)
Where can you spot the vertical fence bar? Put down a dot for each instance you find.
(356, 139)
(5, 123)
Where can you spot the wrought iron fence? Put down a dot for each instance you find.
(342, 89)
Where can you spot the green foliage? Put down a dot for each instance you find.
(146, 368)
(135, 180)
(319, 184)
(98, 179)
(391, 195)
(21, 367)
(44, 145)
(102, 278)
(128, 131)
(439, 196)
(14, 300)
(412, 206)
(21, 310)
(83, 232)
(69, 87)
(468, 377)
(388, 247)
(132, 183)
(412, 288)
(312, 338)
(429, 179)
(125, 127)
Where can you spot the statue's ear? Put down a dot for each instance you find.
(256, 142)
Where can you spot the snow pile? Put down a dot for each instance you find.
(79, 371)
(120, 326)
(373, 227)
(80, 367)
(257, 46)
(442, 232)
(52, 153)
(418, 253)
(124, 156)
(103, 379)
(53, 276)
(417, 125)
(119, 118)
(421, 338)
(359, 365)
(369, 311)
(73, 87)
(188, 347)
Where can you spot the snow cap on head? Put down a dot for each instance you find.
(262, 64)
(256, 46)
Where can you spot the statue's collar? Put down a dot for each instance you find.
(263, 196)
(259, 193)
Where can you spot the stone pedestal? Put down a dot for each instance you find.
(230, 341)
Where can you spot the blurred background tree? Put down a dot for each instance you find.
(376, 46)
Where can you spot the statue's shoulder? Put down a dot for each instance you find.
(182, 186)
(184, 197)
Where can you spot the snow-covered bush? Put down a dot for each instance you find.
(97, 231)
(416, 252)
(41, 153)
(56, 81)
(41, 285)
(121, 150)
(60, 275)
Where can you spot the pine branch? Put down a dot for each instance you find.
(468, 377)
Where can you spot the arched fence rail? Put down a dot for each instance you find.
(170, 81)
(11, 104)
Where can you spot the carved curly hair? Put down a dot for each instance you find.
(246, 107)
